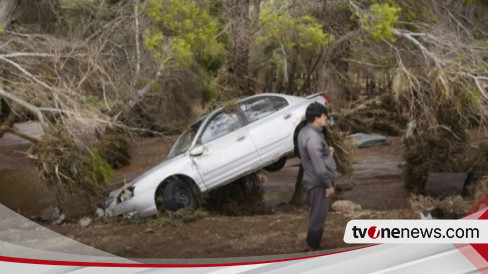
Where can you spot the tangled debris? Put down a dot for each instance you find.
(440, 151)
(114, 147)
(452, 207)
(379, 115)
(72, 171)
(241, 197)
(344, 151)
(481, 188)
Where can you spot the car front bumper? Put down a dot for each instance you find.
(141, 204)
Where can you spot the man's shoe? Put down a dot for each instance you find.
(310, 249)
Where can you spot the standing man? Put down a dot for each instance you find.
(319, 171)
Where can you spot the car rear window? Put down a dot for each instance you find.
(260, 107)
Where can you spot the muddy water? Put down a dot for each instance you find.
(273, 199)
(20, 186)
(22, 191)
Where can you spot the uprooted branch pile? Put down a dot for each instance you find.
(443, 149)
(71, 170)
(84, 87)
(380, 115)
(241, 197)
(454, 207)
(344, 153)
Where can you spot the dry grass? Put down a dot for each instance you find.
(481, 188)
(453, 207)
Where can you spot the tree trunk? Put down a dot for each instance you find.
(7, 8)
(299, 196)
(7, 117)
(238, 60)
(291, 85)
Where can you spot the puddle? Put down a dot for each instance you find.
(274, 199)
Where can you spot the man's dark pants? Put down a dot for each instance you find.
(319, 207)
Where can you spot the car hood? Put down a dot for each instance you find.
(166, 165)
(152, 177)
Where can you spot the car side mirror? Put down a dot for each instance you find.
(196, 151)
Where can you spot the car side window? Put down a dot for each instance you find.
(220, 125)
(260, 107)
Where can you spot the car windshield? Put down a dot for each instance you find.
(184, 141)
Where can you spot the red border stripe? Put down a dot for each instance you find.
(142, 265)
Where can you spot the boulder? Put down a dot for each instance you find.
(345, 206)
(85, 221)
(53, 215)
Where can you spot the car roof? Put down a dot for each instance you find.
(290, 98)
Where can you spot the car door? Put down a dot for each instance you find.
(228, 150)
(270, 125)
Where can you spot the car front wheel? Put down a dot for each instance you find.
(178, 194)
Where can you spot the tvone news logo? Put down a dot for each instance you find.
(373, 232)
(416, 231)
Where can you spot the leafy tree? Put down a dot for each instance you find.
(284, 41)
(184, 33)
(380, 19)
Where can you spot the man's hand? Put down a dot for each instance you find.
(329, 192)
(331, 151)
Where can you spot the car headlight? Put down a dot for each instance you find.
(126, 194)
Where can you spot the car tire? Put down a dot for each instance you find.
(178, 194)
(276, 165)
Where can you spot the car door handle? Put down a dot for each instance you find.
(287, 116)
(240, 139)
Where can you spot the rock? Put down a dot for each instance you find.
(99, 212)
(149, 230)
(53, 214)
(85, 221)
(362, 140)
(47, 214)
(424, 215)
(345, 206)
(445, 184)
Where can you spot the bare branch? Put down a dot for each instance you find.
(362, 63)
(26, 54)
(425, 52)
(6, 128)
(459, 24)
(28, 106)
(138, 50)
(26, 72)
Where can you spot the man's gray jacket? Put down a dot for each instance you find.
(318, 165)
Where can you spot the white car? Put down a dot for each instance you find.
(217, 149)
